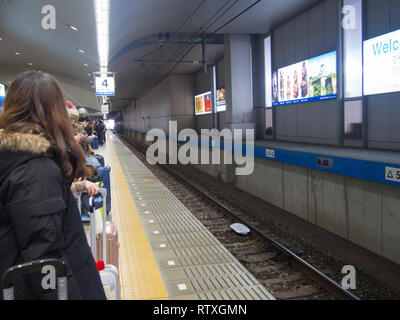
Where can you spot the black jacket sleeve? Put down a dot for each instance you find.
(36, 207)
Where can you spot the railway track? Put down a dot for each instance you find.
(282, 271)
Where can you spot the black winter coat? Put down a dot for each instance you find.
(100, 129)
(39, 219)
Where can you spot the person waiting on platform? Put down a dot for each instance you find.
(94, 124)
(101, 132)
(85, 141)
(39, 217)
(87, 125)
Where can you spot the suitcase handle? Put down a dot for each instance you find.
(35, 266)
(103, 193)
(93, 235)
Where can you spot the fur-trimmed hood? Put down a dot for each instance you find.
(19, 148)
(23, 142)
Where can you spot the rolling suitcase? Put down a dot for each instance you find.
(13, 273)
(109, 276)
(112, 245)
(106, 182)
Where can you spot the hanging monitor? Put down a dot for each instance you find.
(310, 80)
(203, 103)
(382, 64)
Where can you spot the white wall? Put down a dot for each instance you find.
(172, 99)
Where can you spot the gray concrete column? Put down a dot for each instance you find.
(238, 58)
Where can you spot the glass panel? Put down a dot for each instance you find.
(270, 123)
(268, 72)
(353, 120)
(352, 48)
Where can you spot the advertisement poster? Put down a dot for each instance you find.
(382, 64)
(203, 103)
(221, 100)
(2, 96)
(311, 80)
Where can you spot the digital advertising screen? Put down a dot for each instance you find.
(382, 64)
(2, 96)
(203, 103)
(221, 100)
(310, 80)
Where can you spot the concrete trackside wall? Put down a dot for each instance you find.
(365, 213)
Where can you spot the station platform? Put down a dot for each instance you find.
(165, 252)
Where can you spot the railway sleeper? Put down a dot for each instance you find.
(296, 293)
(258, 257)
(268, 269)
(287, 279)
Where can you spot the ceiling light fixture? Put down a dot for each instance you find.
(103, 24)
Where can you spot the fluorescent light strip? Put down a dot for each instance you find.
(103, 24)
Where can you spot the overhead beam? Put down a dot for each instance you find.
(168, 38)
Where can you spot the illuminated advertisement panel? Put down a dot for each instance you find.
(221, 100)
(203, 103)
(2, 96)
(310, 80)
(382, 64)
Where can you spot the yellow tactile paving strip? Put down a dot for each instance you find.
(139, 274)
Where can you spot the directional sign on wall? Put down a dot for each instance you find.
(105, 85)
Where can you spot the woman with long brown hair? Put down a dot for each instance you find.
(39, 217)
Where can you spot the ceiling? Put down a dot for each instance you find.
(53, 51)
(131, 21)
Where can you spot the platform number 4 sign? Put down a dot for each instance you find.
(105, 85)
(392, 174)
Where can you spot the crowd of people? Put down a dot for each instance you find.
(84, 131)
(45, 155)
